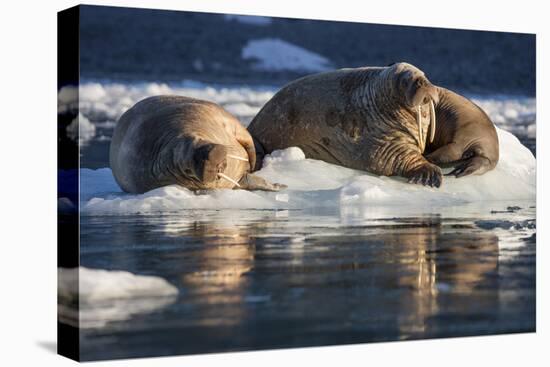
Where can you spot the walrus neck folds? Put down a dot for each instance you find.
(388, 94)
(380, 99)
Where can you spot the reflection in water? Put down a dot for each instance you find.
(425, 258)
(227, 254)
(264, 279)
(433, 261)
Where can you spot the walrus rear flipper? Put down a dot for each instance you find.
(476, 165)
(471, 162)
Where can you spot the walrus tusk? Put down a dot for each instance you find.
(228, 179)
(419, 122)
(237, 157)
(432, 121)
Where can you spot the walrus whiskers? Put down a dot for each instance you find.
(432, 121)
(237, 157)
(419, 122)
(228, 179)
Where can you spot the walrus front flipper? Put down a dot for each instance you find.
(426, 174)
(253, 182)
(476, 165)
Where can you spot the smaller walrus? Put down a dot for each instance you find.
(165, 140)
(390, 121)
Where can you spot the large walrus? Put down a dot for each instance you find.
(390, 121)
(196, 144)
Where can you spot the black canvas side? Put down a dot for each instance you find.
(67, 167)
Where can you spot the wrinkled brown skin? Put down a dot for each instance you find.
(165, 140)
(365, 119)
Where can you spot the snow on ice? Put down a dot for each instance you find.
(273, 54)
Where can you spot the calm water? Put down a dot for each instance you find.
(274, 279)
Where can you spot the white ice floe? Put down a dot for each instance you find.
(248, 19)
(81, 129)
(512, 179)
(105, 295)
(98, 285)
(312, 183)
(273, 54)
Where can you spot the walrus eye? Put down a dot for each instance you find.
(403, 83)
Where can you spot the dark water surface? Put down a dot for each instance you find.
(253, 279)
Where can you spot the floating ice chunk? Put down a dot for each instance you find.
(106, 295)
(273, 54)
(92, 92)
(81, 128)
(241, 109)
(498, 118)
(100, 102)
(532, 131)
(515, 114)
(97, 284)
(248, 19)
(511, 113)
(156, 89)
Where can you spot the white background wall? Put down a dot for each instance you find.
(28, 181)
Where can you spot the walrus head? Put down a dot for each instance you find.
(418, 92)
